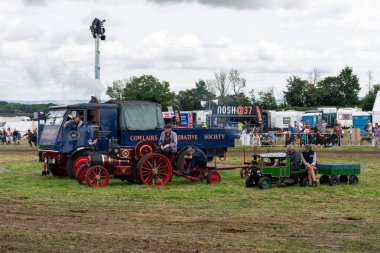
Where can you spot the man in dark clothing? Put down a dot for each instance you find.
(29, 137)
(295, 158)
(195, 158)
(34, 137)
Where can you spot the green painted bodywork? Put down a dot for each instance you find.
(339, 169)
(274, 164)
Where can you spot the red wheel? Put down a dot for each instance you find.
(144, 147)
(81, 174)
(213, 177)
(97, 176)
(75, 162)
(154, 169)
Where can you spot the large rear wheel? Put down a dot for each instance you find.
(154, 169)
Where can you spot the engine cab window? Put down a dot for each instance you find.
(55, 117)
(93, 117)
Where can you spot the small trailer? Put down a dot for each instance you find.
(334, 174)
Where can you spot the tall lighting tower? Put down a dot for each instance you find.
(97, 30)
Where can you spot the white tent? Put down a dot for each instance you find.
(376, 109)
(21, 126)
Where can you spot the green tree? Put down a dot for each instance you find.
(267, 100)
(369, 99)
(328, 92)
(296, 94)
(349, 87)
(191, 99)
(145, 87)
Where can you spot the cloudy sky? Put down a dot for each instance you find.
(47, 51)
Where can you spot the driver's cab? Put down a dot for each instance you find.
(72, 127)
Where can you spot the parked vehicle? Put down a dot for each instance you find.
(344, 116)
(359, 120)
(314, 118)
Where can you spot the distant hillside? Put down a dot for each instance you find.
(19, 109)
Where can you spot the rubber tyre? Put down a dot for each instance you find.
(353, 179)
(74, 163)
(213, 177)
(249, 182)
(303, 182)
(97, 176)
(324, 179)
(343, 179)
(57, 171)
(334, 180)
(264, 183)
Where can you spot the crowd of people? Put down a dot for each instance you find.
(7, 136)
(303, 134)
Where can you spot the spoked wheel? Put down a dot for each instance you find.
(213, 177)
(324, 179)
(75, 162)
(354, 179)
(144, 147)
(97, 176)
(264, 183)
(81, 174)
(154, 169)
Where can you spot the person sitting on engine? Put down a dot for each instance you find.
(295, 157)
(309, 160)
(168, 141)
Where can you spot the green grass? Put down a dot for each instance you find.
(49, 214)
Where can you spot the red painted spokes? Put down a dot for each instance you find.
(81, 174)
(78, 163)
(155, 169)
(97, 176)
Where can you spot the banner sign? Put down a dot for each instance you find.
(249, 110)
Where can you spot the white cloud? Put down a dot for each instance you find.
(49, 48)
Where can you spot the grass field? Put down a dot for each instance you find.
(49, 214)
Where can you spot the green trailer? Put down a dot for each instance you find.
(334, 174)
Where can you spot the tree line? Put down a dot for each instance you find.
(12, 109)
(228, 87)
